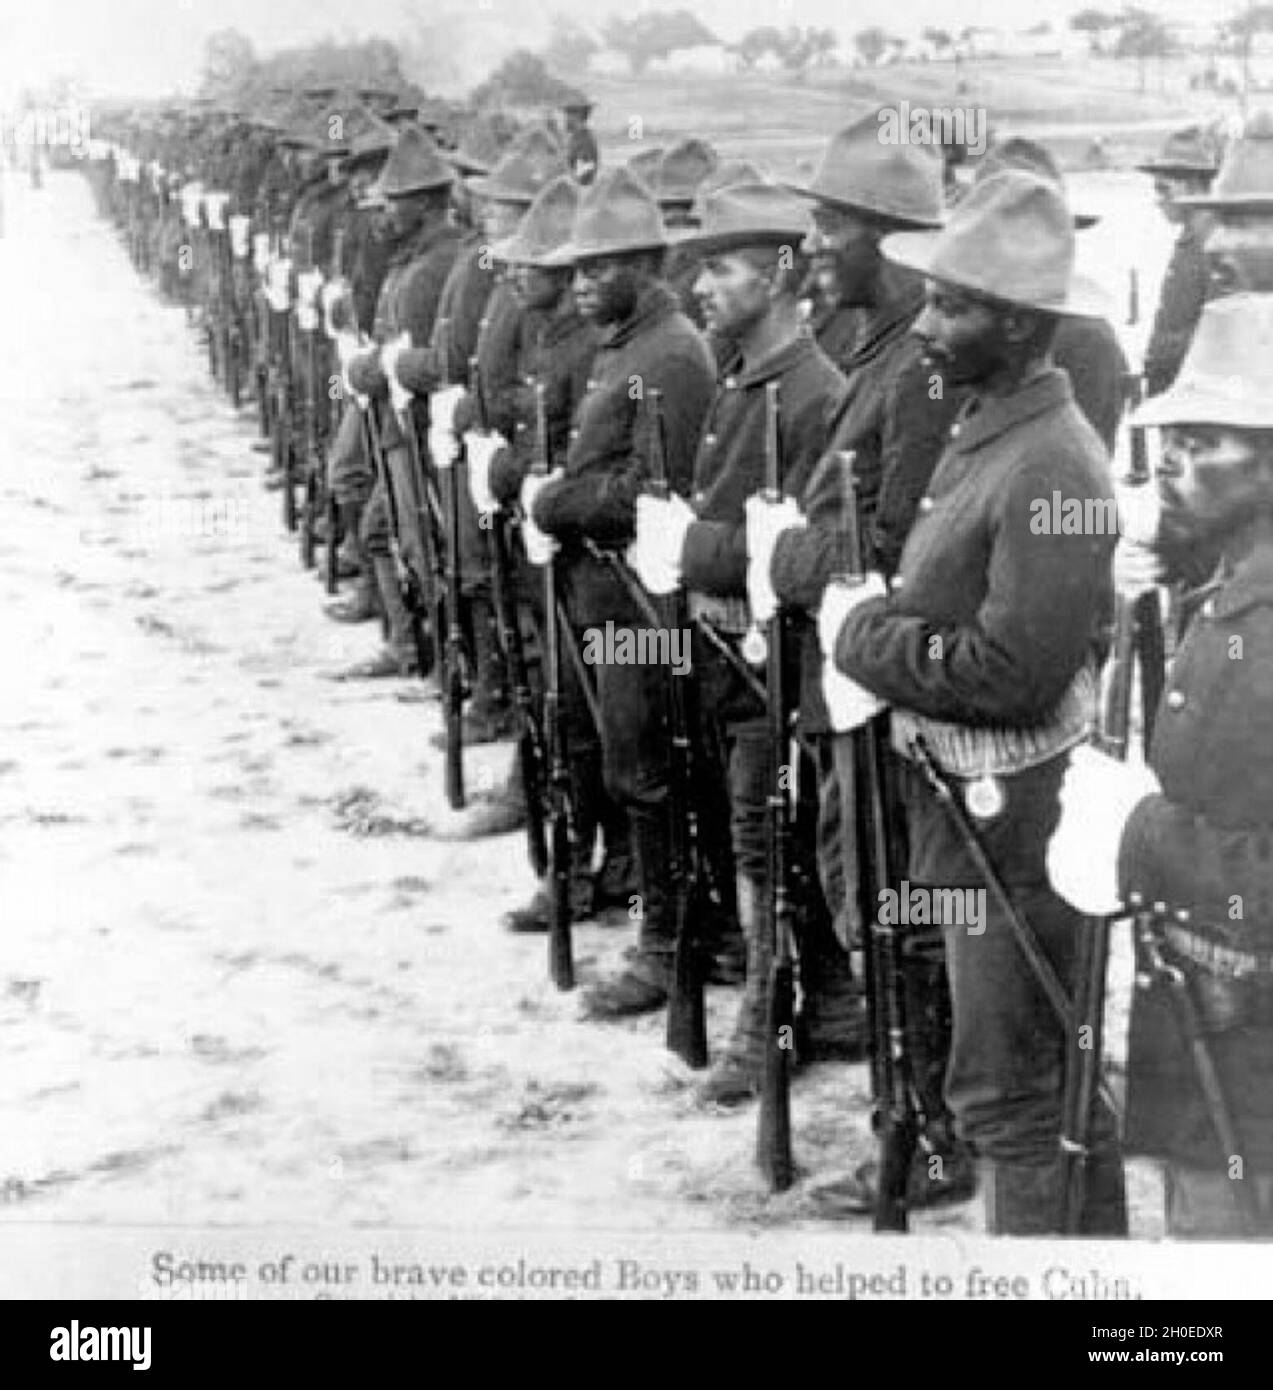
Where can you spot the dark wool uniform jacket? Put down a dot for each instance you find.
(608, 460)
(444, 358)
(730, 467)
(1206, 845)
(1017, 613)
(408, 303)
(556, 348)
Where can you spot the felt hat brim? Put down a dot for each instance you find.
(1084, 298)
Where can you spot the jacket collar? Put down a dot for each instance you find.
(1250, 585)
(984, 418)
(885, 324)
(655, 302)
(777, 364)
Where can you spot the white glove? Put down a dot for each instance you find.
(479, 450)
(1137, 568)
(540, 546)
(239, 228)
(838, 601)
(399, 396)
(308, 284)
(655, 555)
(849, 704)
(443, 444)
(348, 347)
(333, 292)
(766, 521)
(214, 204)
(278, 289)
(1098, 797)
(261, 252)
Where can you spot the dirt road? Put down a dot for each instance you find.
(241, 980)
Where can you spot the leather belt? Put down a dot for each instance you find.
(1215, 958)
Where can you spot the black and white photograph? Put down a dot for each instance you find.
(637, 655)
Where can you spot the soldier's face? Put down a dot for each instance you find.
(845, 248)
(1239, 256)
(964, 336)
(538, 288)
(1204, 478)
(606, 289)
(733, 293)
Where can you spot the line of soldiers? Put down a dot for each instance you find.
(805, 426)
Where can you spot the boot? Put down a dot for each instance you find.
(398, 656)
(616, 880)
(735, 1078)
(536, 916)
(362, 606)
(832, 1025)
(1105, 1198)
(350, 559)
(490, 717)
(1022, 1199)
(642, 987)
(500, 814)
(927, 1185)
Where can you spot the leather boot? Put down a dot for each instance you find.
(1023, 1199)
(361, 606)
(832, 1024)
(501, 813)
(350, 559)
(398, 656)
(735, 1078)
(536, 916)
(490, 717)
(1105, 1201)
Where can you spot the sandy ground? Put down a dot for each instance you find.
(242, 979)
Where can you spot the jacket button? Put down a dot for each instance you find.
(709, 441)
(730, 383)
(590, 384)
(1182, 914)
(954, 430)
(896, 582)
(926, 504)
(1209, 608)
(699, 498)
(574, 434)
(1175, 699)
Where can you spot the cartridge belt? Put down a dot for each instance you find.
(726, 614)
(978, 751)
(1215, 958)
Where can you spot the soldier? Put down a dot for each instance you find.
(617, 247)
(1186, 838)
(748, 281)
(416, 181)
(556, 346)
(1186, 166)
(674, 184)
(986, 650)
(582, 157)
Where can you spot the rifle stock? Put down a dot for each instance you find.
(686, 1034)
(561, 829)
(896, 1112)
(773, 1138)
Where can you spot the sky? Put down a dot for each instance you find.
(150, 47)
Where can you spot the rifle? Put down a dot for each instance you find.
(530, 747)
(562, 837)
(1142, 638)
(686, 1011)
(331, 511)
(310, 446)
(455, 685)
(897, 1113)
(773, 1139)
(1154, 969)
(281, 441)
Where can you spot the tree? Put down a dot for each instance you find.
(871, 43)
(1142, 35)
(655, 34)
(569, 45)
(939, 38)
(1094, 23)
(521, 80)
(229, 61)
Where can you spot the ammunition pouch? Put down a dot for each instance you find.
(1232, 988)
